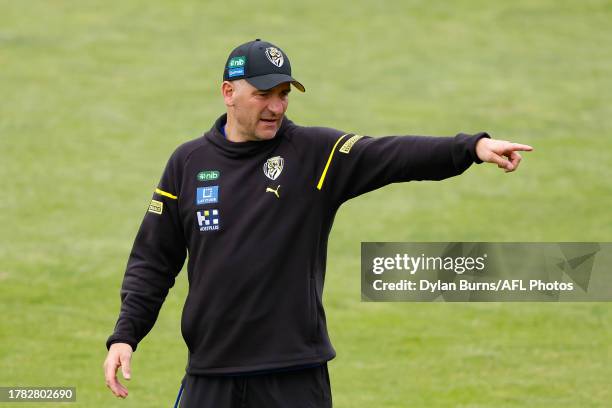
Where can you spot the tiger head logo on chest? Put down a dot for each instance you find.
(273, 167)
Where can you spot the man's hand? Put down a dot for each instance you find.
(119, 355)
(501, 152)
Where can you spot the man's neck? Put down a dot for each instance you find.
(231, 132)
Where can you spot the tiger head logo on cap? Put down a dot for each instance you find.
(275, 56)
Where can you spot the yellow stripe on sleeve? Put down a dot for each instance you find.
(329, 159)
(162, 192)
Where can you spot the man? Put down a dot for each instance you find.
(253, 201)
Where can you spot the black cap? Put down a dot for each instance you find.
(262, 64)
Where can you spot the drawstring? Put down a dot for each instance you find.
(178, 397)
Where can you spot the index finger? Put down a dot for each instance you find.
(521, 147)
(125, 365)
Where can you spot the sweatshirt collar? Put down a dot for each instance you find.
(243, 149)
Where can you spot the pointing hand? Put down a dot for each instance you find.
(501, 152)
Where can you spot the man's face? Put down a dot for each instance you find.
(256, 114)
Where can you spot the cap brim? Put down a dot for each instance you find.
(269, 81)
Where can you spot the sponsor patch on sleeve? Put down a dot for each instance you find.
(156, 207)
(346, 147)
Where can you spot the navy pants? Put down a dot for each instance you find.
(304, 388)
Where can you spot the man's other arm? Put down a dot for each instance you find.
(157, 256)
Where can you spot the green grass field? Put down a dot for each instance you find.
(95, 96)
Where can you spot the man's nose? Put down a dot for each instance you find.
(276, 106)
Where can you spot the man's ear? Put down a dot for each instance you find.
(228, 90)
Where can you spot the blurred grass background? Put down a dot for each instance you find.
(96, 95)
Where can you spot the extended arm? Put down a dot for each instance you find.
(359, 164)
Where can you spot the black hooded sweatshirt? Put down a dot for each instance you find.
(255, 218)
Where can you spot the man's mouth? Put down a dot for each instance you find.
(268, 120)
